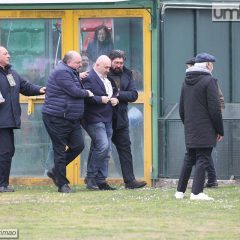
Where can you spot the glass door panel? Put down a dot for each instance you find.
(33, 154)
(35, 48)
(122, 33)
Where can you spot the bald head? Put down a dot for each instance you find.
(73, 59)
(4, 57)
(1, 48)
(102, 65)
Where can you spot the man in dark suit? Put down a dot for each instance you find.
(98, 123)
(127, 92)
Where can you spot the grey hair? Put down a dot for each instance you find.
(69, 56)
(201, 65)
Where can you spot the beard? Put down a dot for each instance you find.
(117, 70)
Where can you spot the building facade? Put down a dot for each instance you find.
(157, 36)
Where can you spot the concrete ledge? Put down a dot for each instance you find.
(165, 182)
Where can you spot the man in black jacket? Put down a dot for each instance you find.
(11, 84)
(127, 93)
(200, 112)
(211, 171)
(62, 111)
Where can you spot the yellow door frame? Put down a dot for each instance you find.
(145, 96)
(66, 17)
(70, 41)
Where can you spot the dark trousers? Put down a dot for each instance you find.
(121, 140)
(211, 172)
(63, 132)
(7, 150)
(200, 158)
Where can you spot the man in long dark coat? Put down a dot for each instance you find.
(200, 112)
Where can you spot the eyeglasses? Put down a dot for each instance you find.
(120, 63)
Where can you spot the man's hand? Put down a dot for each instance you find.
(42, 90)
(219, 138)
(83, 75)
(114, 101)
(90, 94)
(105, 99)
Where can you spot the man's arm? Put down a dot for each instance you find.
(214, 107)
(88, 85)
(181, 106)
(66, 81)
(29, 89)
(130, 94)
(221, 98)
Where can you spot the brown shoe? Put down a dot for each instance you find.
(135, 184)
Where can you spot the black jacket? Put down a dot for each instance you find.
(127, 93)
(10, 111)
(200, 110)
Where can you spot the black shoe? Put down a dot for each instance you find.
(6, 189)
(65, 189)
(211, 185)
(105, 186)
(135, 184)
(50, 174)
(91, 184)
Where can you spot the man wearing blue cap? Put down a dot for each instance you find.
(200, 112)
(211, 171)
(190, 62)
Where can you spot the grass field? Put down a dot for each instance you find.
(146, 214)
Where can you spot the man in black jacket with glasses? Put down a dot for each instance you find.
(127, 93)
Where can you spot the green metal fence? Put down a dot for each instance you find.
(225, 155)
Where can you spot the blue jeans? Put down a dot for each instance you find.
(100, 150)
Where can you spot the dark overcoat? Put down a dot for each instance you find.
(200, 110)
(127, 93)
